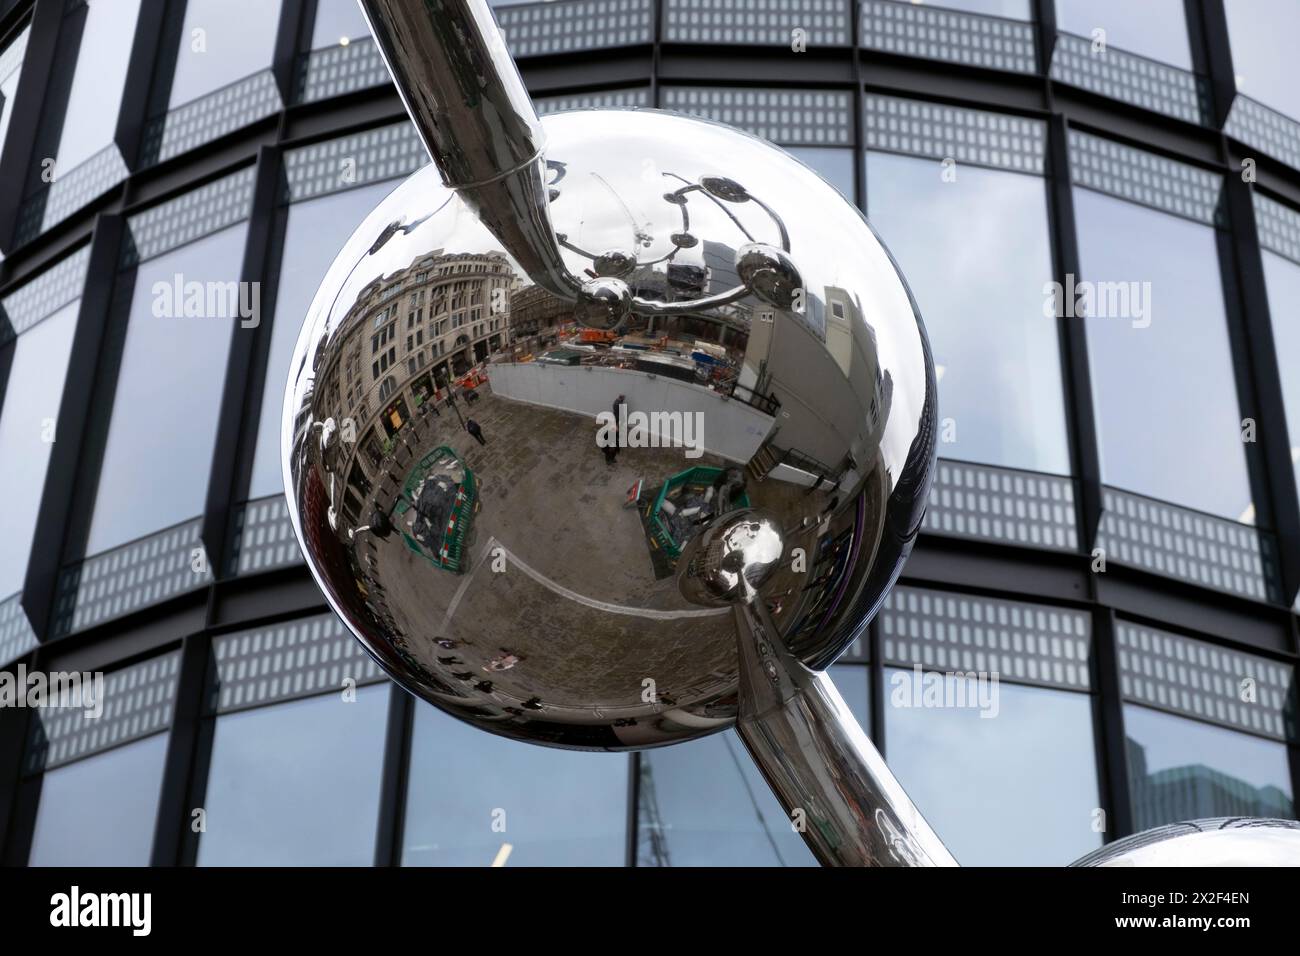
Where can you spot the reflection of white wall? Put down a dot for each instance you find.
(757, 347)
(830, 404)
(732, 429)
(839, 336)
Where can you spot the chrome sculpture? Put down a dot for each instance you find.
(525, 580)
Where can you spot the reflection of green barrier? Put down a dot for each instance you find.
(701, 477)
(456, 528)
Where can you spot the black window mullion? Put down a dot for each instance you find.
(40, 81)
(1250, 327)
(184, 752)
(16, 815)
(1259, 385)
(241, 400)
(1108, 729)
(72, 475)
(1081, 417)
(396, 773)
(148, 76)
(296, 19)
(1207, 32)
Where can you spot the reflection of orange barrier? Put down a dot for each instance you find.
(596, 335)
(472, 379)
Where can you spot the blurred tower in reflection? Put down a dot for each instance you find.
(1194, 792)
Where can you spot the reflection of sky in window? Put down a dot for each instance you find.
(1282, 278)
(713, 807)
(297, 783)
(168, 398)
(1263, 60)
(335, 20)
(1165, 397)
(1170, 741)
(90, 120)
(1156, 29)
(833, 165)
(1012, 9)
(1018, 789)
(853, 681)
(316, 231)
(100, 811)
(558, 807)
(237, 40)
(976, 255)
(9, 86)
(32, 396)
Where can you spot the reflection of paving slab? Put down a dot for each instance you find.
(578, 567)
(521, 611)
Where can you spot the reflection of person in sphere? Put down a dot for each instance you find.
(620, 412)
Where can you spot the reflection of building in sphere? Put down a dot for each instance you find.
(407, 337)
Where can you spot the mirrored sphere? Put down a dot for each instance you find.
(1219, 841)
(496, 497)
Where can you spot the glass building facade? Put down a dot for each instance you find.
(1097, 208)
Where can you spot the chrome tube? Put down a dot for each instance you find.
(834, 785)
(464, 95)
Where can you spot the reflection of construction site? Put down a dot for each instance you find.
(499, 559)
(555, 550)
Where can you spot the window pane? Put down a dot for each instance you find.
(11, 68)
(316, 232)
(472, 793)
(705, 803)
(976, 254)
(1156, 29)
(832, 164)
(27, 416)
(297, 784)
(335, 20)
(1018, 788)
(853, 681)
(100, 811)
(91, 118)
(1162, 378)
(1282, 278)
(222, 41)
(1182, 769)
(1012, 9)
(168, 394)
(1264, 63)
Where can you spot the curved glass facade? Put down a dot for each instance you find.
(1097, 632)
